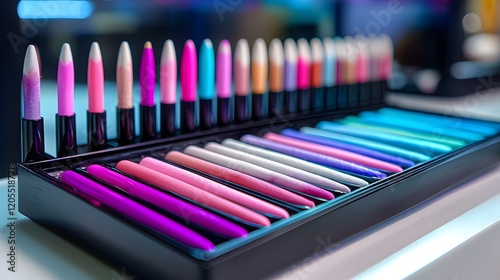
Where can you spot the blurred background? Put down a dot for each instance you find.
(442, 47)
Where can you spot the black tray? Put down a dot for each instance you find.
(265, 251)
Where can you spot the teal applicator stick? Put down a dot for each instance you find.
(389, 149)
(357, 122)
(206, 83)
(426, 147)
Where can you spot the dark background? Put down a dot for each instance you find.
(427, 35)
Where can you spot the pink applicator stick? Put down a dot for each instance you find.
(168, 88)
(95, 80)
(277, 167)
(334, 152)
(239, 178)
(191, 192)
(380, 54)
(96, 115)
(135, 211)
(342, 88)
(215, 188)
(65, 82)
(189, 69)
(304, 75)
(259, 172)
(352, 72)
(65, 117)
(223, 82)
(363, 70)
(147, 79)
(176, 206)
(386, 61)
(32, 122)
